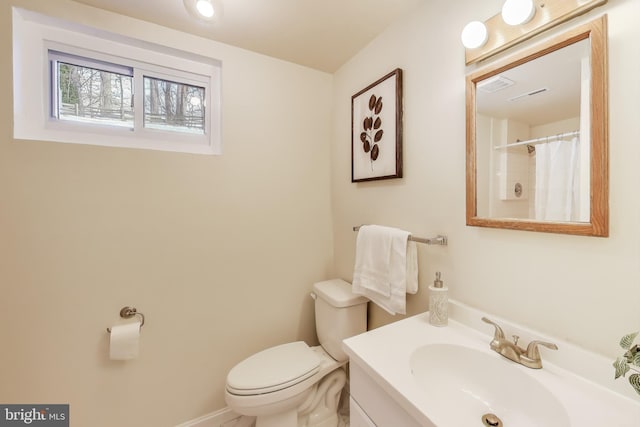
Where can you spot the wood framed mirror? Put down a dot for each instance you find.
(537, 137)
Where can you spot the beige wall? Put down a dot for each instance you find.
(200, 243)
(582, 289)
(219, 253)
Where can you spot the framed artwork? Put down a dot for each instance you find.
(376, 130)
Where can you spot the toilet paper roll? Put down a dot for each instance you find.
(125, 341)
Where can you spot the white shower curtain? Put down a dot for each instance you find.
(557, 195)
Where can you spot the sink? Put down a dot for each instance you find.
(465, 386)
(412, 374)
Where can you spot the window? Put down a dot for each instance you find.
(87, 91)
(99, 90)
(173, 106)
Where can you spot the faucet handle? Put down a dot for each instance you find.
(532, 349)
(498, 334)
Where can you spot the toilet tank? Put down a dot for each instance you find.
(340, 314)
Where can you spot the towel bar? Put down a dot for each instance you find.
(438, 240)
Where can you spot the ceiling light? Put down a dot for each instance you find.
(208, 11)
(474, 35)
(517, 12)
(205, 8)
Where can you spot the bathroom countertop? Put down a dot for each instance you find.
(384, 354)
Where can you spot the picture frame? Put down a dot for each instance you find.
(376, 130)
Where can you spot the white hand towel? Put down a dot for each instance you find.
(380, 272)
(412, 268)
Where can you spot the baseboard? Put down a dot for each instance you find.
(223, 418)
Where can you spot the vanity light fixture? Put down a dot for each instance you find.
(518, 12)
(474, 35)
(518, 21)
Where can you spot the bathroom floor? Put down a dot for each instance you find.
(342, 422)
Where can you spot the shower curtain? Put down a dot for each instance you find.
(557, 193)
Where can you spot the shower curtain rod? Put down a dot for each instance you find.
(538, 140)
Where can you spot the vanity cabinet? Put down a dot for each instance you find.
(391, 386)
(371, 406)
(357, 416)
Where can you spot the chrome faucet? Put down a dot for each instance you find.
(529, 357)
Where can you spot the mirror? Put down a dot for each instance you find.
(537, 138)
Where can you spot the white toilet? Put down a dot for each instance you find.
(294, 385)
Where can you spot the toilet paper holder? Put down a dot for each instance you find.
(128, 313)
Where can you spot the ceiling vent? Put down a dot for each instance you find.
(494, 84)
(527, 94)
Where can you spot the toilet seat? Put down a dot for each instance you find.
(274, 369)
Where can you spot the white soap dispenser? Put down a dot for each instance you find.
(438, 303)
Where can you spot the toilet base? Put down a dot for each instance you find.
(282, 419)
(321, 408)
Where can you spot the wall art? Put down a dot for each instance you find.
(376, 130)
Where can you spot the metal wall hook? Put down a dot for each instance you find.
(128, 313)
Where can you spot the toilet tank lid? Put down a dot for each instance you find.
(338, 293)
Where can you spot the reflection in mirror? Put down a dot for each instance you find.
(536, 138)
(528, 122)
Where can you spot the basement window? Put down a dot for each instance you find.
(91, 92)
(174, 106)
(86, 91)
(104, 89)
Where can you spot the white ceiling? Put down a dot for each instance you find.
(558, 72)
(321, 34)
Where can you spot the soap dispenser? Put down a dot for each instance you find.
(438, 302)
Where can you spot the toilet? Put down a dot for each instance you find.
(294, 385)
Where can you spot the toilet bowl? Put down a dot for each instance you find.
(294, 385)
(285, 380)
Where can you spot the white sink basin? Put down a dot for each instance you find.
(463, 384)
(432, 376)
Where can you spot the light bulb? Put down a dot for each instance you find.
(517, 12)
(474, 35)
(205, 8)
